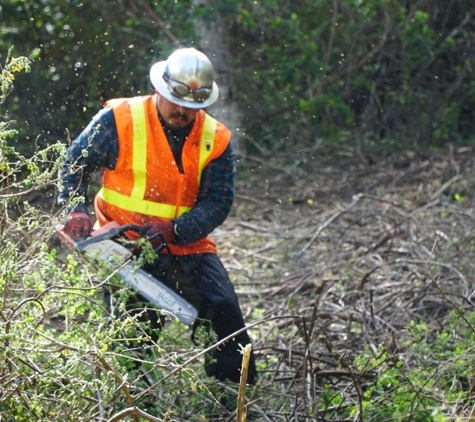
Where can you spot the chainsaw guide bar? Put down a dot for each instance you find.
(103, 251)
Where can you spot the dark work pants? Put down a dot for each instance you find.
(203, 281)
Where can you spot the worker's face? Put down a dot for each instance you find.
(175, 115)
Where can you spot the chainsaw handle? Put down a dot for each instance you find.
(111, 234)
(141, 230)
(118, 231)
(163, 243)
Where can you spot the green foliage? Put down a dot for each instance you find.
(384, 73)
(7, 76)
(375, 69)
(412, 383)
(62, 355)
(84, 53)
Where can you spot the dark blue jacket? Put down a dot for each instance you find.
(97, 147)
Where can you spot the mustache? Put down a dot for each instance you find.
(178, 115)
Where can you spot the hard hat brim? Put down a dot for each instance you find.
(156, 77)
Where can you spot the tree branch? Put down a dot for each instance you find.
(161, 23)
(339, 76)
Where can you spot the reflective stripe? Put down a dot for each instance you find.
(207, 142)
(139, 149)
(141, 206)
(135, 202)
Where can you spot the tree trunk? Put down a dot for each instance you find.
(213, 43)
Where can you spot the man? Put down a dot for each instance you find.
(168, 166)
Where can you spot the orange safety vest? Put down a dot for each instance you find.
(146, 184)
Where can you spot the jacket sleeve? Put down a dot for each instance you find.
(95, 148)
(214, 200)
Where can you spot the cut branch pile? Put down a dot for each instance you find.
(343, 258)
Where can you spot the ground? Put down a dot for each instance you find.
(337, 254)
(334, 256)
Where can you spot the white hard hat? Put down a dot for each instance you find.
(186, 79)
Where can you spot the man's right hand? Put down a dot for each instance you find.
(79, 225)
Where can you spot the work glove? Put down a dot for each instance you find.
(79, 225)
(157, 228)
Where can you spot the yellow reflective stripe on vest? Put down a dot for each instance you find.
(142, 206)
(139, 148)
(207, 142)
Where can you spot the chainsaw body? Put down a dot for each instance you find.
(105, 250)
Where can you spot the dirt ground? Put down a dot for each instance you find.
(336, 254)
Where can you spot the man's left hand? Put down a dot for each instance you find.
(165, 228)
(78, 226)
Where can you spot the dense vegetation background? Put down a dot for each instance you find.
(353, 264)
(376, 74)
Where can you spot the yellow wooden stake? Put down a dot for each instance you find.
(241, 411)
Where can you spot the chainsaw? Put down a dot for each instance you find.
(106, 248)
